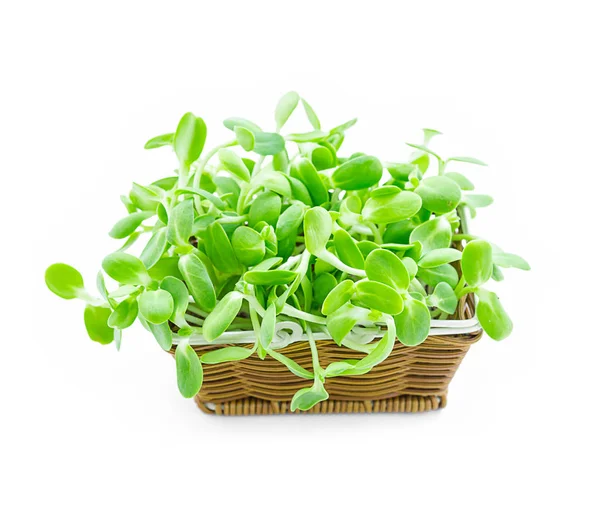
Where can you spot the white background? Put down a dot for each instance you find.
(85, 84)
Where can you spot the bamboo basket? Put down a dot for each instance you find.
(411, 379)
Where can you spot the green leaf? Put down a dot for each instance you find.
(162, 334)
(339, 296)
(273, 180)
(127, 225)
(244, 137)
(412, 325)
(220, 251)
(269, 277)
(347, 249)
(234, 164)
(126, 269)
(317, 229)
(266, 207)
(424, 149)
(343, 319)
(466, 159)
(189, 139)
(438, 257)
(160, 141)
(391, 207)
(433, 234)
(460, 180)
(124, 314)
(341, 129)
(314, 136)
(379, 297)
(285, 107)
(303, 170)
(400, 171)
(439, 194)
(477, 200)
(358, 173)
(156, 306)
(220, 318)
(267, 327)
(268, 143)
(180, 224)
(322, 287)
(311, 115)
(198, 281)
(477, 262)
(189, 370)
(491, 315)
(307, 398)
(248, 246)
(281, 162)
(155, 248)
(96, 324)
(181, 297)
(226, 354)
(232, 122)
(64, 281)
(508, 260)
(385, 267)
(442, 274)
(444, 298)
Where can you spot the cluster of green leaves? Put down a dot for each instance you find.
(251, 233)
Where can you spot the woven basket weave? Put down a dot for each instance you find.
(411, 379)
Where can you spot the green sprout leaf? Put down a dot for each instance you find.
(126, 269)
(347, 249)
(198, 281)
(129, 224)
(385, 267)
(444, 298)
(248, 246)
(245, 138)
(286, 105)
(338, 296)
(433, 234)
(226, 354)
(234, 164)
(307, 398)
(305, 171)
(160, 141)
(156, 306)
(477, 262)
(180, 224)
(162, 334)
(311, 115)
(317, 229)
(64, 281)
(155, 248)
(379, 297)
(124, 314)
(437, 257)
(466, 159)
(96, 324)
(412, 324)
(189, 370)
(358, 173)
(492, 317)
(439, 194)
(189, 139)
(181, 298)
(220, 318)
(391, 207)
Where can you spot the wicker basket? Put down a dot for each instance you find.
(411, 379)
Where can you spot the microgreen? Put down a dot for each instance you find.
(271, 226)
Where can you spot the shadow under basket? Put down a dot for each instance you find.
(411, 379)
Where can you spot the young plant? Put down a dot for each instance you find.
(267, 227)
